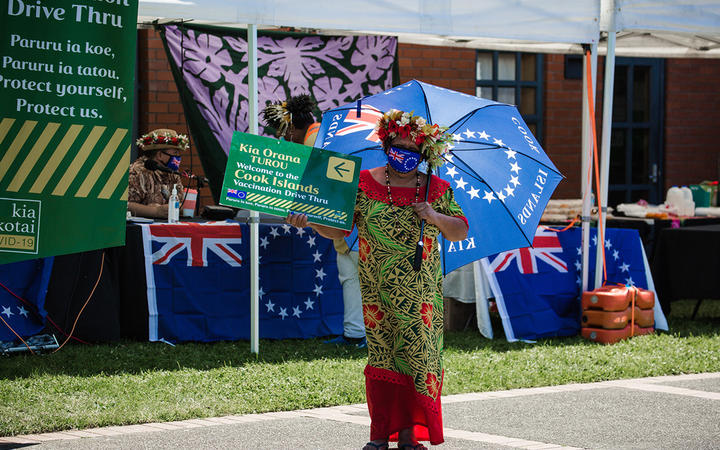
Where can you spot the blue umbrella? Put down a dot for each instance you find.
(500, 174)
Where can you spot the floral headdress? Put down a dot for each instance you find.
(431, 139)
(163, 138)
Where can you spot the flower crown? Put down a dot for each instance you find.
(158, 140)
(431, 139)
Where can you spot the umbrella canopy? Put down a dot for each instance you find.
(500, 174)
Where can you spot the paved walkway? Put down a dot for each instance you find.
(662, 412)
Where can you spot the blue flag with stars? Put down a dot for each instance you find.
(198, 282)
(22, 297)
(537, 289)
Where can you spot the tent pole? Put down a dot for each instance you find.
(586, 164)
(609, 87)
(254, 215)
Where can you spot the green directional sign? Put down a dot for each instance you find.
(276, 177)
(66, 105)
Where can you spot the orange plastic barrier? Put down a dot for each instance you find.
(614, 320)
(610, 320)
(607, 298)
(644, 299)
(644, 317)
(617, 298)
(612, 336)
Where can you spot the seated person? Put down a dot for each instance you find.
(154, 173)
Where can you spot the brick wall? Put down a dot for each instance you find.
(692, 118)
(452, 68)
(563, 122)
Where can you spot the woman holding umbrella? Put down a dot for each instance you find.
(403, 305)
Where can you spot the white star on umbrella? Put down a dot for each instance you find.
(498, 142)
(457, 137)
(515, 168)
(468, 133)
(594, 239)
(274, 232)
(300, 231)
(318, 290)
(461, 183)
(449, 156)
(309, 304)
(7, 312)
(270, 306)
(451, 171)
(579, 250)
(625, 267)
(23, 311)
(510, 153)
(578, 265)
(296, 311)
(317, 256)
(473, 192)
(616, 255)
(261, 292)
(283, 313)
(514, 180)
(629, 281)
(501, 196)
(489, 196)
(311, 241)
(483, 135)
(286, 228)
(608, 244)
(320, 273)
(264, 242)
(509, 192)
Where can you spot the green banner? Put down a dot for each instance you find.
(274, 177)
(66, 104)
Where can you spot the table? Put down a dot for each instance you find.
(687, 264)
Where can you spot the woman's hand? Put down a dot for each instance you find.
(425, 211)
(298, 220)
(452, 228)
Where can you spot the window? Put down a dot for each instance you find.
(513, 78)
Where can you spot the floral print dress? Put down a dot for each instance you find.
(402, 308)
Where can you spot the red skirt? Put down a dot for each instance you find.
(394, 405)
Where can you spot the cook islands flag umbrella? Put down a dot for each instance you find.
(500, 175)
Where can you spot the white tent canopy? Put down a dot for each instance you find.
(568, 21)
(654, 28)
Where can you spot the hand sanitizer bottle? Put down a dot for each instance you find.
(173, 206)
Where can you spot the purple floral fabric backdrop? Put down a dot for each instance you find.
(335, 70)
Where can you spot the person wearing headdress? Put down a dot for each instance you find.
(294, 121)
(403, 303)
(154, 173)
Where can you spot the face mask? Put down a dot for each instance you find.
(402, 160)
(173, 163)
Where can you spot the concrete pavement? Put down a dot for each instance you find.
(671, 412)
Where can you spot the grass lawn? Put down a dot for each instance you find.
(134, 382)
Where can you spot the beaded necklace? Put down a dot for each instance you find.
(392, 204)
